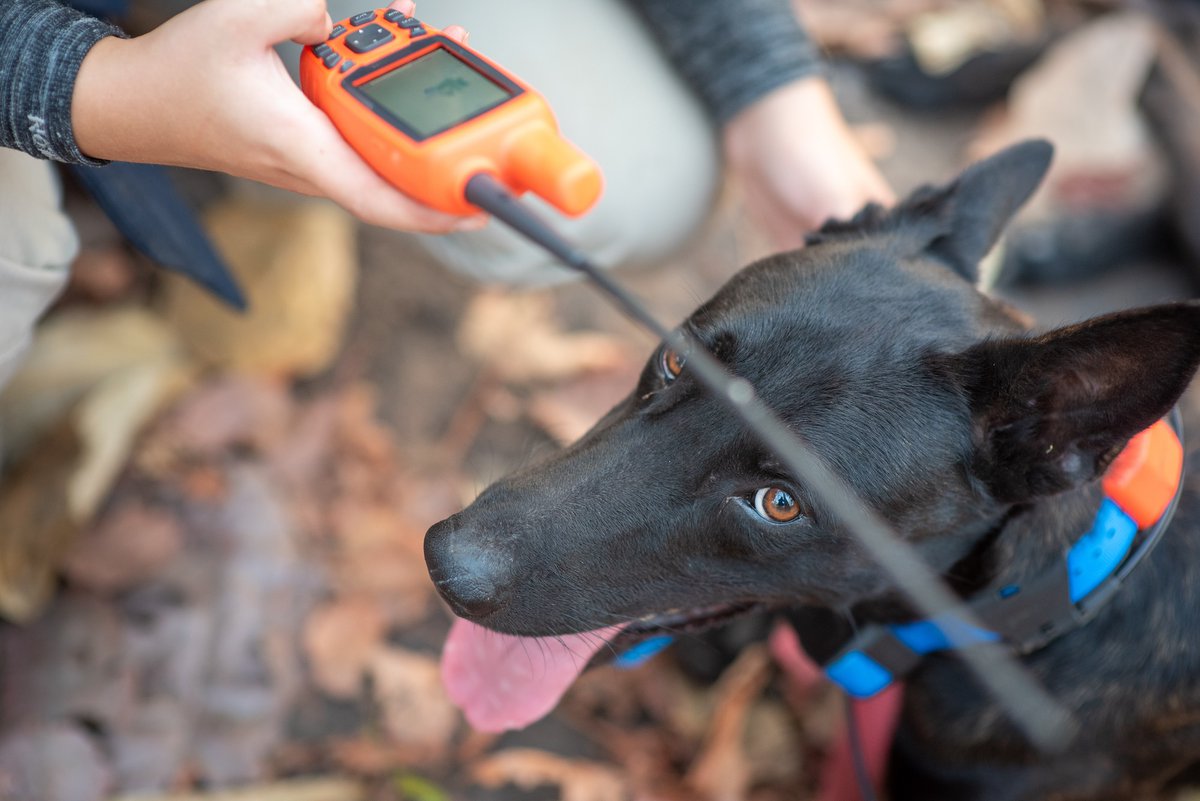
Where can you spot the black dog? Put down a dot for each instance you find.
(981, 445)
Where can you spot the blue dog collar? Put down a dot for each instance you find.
(643, 652)
(1094, 558)
(1023, 617)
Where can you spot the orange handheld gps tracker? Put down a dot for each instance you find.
(429, 114)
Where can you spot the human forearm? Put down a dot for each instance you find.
(732, 54)
(42, 44)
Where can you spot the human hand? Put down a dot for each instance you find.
(207, 90)
(798, 164)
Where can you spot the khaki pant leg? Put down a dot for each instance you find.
(37, 245)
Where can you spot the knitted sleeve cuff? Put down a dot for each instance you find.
(732, 53)
(42, 44)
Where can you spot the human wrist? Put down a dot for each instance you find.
(804, 108)
(102, 116)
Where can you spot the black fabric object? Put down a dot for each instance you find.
(144, 204)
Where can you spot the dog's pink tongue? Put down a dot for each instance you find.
(504, 682)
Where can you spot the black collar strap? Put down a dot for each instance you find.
(1024, 617)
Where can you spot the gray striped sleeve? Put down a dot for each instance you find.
(42, 44)
(732, 52)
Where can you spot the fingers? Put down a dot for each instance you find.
(270, 22)
(333, 169)
(312, 25)
(378, 203)
(456, 32)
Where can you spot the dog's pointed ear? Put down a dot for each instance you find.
(1051, 413)
(974, 210)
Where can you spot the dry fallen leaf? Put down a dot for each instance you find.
(300, 458)
(416, 710)
(359, 432)
(320, 789)
(71, 663)
(103, 273)
(722, 771)
(297, 264)
(109, 420)
(266, 589)
(339, 640)
(567, 411)
(129, 543)
(943, 40)
(517, 337)
(152, 744)
(51, 763)
(375, 754)
(368, 524)
(228, 411)
(37, 529)
(577, 779)
(649, 721)
(379, 554)
(392, 577)
(774, 752)
(426, 498)
(72, 352)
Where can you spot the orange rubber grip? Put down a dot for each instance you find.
(515, 139)
(1142, 480)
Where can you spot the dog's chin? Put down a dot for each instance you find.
(673, 623)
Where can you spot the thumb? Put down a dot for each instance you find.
(456, 32)
(270, 22)
(310, 22)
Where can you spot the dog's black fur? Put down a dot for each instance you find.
(980, 444)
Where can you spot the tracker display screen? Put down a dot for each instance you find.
(435, 92)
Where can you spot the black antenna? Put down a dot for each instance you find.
(1046, 723)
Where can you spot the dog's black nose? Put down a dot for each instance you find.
(472, 575)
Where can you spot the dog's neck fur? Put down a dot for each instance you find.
(1035, 536)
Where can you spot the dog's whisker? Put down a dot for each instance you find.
(578, 660)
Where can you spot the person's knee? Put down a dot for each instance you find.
(37, 245)
(34, 231)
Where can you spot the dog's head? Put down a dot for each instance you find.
(874, 345)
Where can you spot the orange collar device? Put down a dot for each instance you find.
(1141, 489)
(1144, 479)
(429, 114)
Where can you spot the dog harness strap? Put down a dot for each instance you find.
(878, 656)
(1142, 487)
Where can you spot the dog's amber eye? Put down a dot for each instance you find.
(671, 363)
(776, 505)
